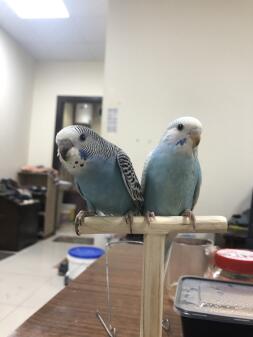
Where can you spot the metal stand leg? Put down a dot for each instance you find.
(108, 326)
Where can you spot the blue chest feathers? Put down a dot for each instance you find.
(170, 183)
(102, 185)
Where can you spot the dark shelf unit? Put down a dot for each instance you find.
(48, 204)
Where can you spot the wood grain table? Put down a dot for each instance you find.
(72, 312)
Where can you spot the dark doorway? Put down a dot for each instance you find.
(77, 110)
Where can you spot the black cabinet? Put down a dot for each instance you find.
(18, 224)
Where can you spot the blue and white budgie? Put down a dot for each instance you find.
(171, 177)
(103, 173)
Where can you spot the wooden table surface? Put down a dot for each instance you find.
(72, 312)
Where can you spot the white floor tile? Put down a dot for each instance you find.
(44, 294)
(39, 259)
(5, 309)
(15, 288)
(14, 320)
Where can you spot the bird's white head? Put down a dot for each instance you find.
(183, 134)
(77, 144)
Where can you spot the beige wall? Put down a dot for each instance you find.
(53, 79)
(16, 81)
(166, 59)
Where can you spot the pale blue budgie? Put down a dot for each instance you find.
(172, 177)
(103, 173)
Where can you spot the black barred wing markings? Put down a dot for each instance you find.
(130, 179)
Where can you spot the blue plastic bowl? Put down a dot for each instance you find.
(86, 252)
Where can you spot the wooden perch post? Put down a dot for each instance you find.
(154, 238)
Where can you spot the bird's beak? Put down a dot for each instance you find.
(64, 146)
(195, 136)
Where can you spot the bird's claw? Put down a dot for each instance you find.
(189, 214)
(149, 216)
(129, 218)
(78, 221)
(80, 218)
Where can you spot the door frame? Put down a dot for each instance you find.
(61, 100)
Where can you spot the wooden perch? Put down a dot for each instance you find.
(153, 264)
(160, 225)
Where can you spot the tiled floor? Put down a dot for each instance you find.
(29, 279)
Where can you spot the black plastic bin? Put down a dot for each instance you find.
(212, 308)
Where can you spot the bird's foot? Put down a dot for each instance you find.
(80, 218)
(149, 216)
(129, 218)
(189, 214)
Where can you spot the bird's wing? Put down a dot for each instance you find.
(89, 205)
(198, 184)
(79, 190)
(130, 179)
(144, 172)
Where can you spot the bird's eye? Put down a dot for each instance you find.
(180, 127)
(82, 137)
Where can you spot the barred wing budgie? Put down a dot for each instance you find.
(103, 173)
(172, 177)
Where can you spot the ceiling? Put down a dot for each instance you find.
(81, 37)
